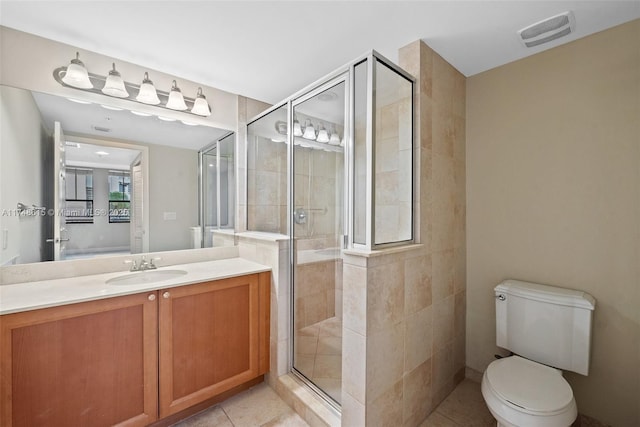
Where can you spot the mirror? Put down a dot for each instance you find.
(130, 181)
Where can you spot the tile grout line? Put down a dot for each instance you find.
(228, 417)
(449, 418)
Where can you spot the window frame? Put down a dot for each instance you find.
(119, 218)
(77, 219)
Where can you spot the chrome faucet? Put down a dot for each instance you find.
(143, 265)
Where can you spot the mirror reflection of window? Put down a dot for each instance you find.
(79, 192)
(119, 196)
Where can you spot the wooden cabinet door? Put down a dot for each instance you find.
(212, 338)
(86, 364)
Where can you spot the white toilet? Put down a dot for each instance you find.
(548, 329)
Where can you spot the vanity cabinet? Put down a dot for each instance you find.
(86, 364)
(213, 336)
(135, 359)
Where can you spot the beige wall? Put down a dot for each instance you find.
(173, 188)
(553, 192)
(23, 142)
(33, 71)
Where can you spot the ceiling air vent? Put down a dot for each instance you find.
(548, 29)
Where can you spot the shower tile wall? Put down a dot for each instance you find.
(404, 309)
(316, 174)
(393, 171)
(267, 189)
(247, 108)
(316, 293)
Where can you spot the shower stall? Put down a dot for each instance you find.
(332, 168)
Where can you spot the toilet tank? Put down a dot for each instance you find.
(546, 324)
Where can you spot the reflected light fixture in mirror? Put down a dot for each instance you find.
(309, 131)
(200, 105)
(335, 138)
(77, 75)
(114, 86)
(147, 93)
(323, 136)
(176, 100)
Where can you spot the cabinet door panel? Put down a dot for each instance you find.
(87, 364)
(209, 336)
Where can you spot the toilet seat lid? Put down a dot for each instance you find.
(529, 385)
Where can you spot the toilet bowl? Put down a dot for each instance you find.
(522, 393)
(548, 328)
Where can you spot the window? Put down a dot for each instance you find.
(119, 196)
(79, 196)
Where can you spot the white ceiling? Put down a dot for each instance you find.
(268, 50)
(99, 156)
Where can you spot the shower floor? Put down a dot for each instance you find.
(318, 355)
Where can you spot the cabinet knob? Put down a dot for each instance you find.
(166, 295)
(152, 297)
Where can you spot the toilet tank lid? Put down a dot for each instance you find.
(545, 293)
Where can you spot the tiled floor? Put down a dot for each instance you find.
(261, 406)
(463, 407)
(258, 406)
(318, 355)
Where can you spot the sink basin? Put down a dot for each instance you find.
(144, 277)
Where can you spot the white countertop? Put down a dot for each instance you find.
(51, 293)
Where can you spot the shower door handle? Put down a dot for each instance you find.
(58, 240)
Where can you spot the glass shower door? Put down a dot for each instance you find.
(317, 229)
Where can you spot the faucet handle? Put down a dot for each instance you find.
(151, 262)
(134, 266)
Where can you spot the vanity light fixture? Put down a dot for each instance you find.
(77, 75)
(323, 136)
(200, 105)
(176, 100)
(114, 86)
(147, 93)
(309, 131)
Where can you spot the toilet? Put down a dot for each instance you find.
(548, 329)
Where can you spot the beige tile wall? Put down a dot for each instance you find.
(267, 185)
(247, 108)
(404, 308)
(315, 292)
(273, 250)
(392, 160)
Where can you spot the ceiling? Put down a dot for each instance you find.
(268, 50)
(99, 156)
